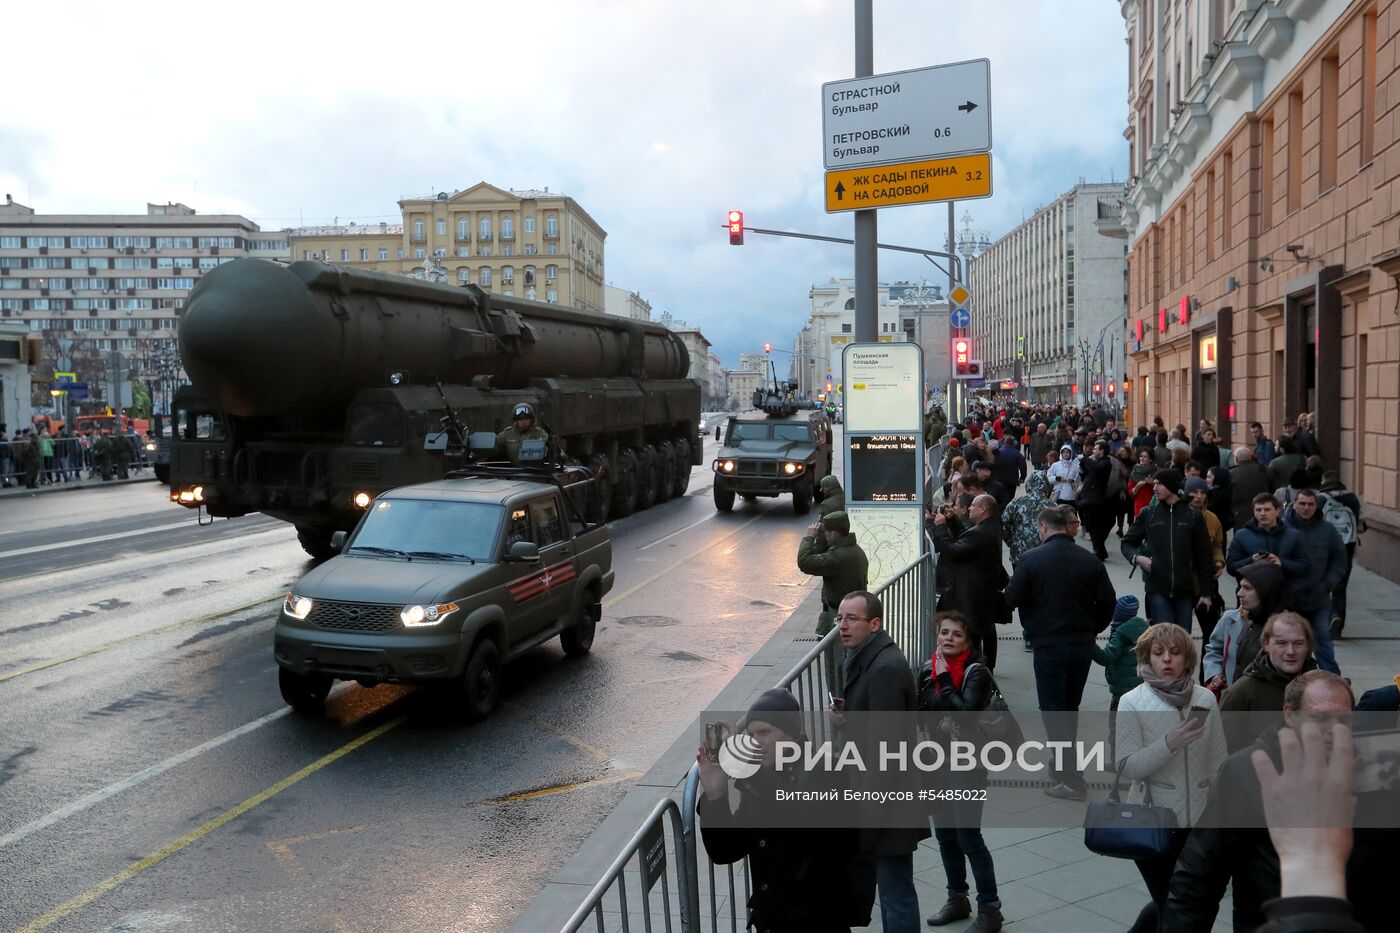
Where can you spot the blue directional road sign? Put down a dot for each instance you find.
(960, 317)
(77, 390)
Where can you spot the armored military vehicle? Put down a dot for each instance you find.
(313, 386)
(773, 456)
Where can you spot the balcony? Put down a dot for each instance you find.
(551, 234)
(507, 234)
(1109, 221)
(484, 237)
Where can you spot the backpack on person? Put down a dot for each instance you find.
(1340, 517)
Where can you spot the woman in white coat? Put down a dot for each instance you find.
(1170, 738)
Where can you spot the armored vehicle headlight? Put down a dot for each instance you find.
(425, 615)
(791, 468)
(362, 500)
(726, 466)
(298, 607)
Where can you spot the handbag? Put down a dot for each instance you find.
(997, 723)
(1128, 830)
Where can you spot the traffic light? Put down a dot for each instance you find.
(767, 348)
(1112, 388)
(1098, 388)
(736, 228)
(1073, 389)
(964, 366)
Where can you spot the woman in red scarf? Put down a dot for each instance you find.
(957, 680)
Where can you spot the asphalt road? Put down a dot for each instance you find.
(151, 778)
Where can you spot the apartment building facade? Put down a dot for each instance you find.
(1049, 302)
(92, 284)
(529, 244)
(1263, 223)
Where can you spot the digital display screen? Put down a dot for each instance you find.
(885, 468)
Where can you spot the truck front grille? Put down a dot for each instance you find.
(354, 617)
(759, 468)
(277, 468)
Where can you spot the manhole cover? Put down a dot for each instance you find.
(648, 621)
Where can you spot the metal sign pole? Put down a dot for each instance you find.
(866, 233)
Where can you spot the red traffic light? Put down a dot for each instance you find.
(767, 348)
(1074, 388)
(1112, 387)
(964, 365)
(736, 228)
(1097, 388)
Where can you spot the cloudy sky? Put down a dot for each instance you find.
(656, 115)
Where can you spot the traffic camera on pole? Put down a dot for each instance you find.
(736, 228)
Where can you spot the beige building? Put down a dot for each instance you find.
(623, 303)
(742, 383)
(718, 392)
(96, 283)
(1263, 231)
(526, 244)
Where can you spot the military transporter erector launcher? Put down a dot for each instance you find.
(313, 386)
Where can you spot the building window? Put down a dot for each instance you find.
(464, 252)
(9, 242)
(509, 292)
(507, 275)
(507, 249)
(551, 272)
(463, 228)
(306, 254)
(400, 252)
(551, 249)
(507, 227)
(846, 328)
(464, 275)
(530, 218)
(1227, 198)
(1328, 125)
(383, 253)
(551, 225)
(485, 277)
(344, 255)
(531, 249)
(441, 227)
(484, 252)
(418, 253)
(1295, 150)
(1368, 86)
(364, 255)
(551, 295)
(529, 275)
(484, 228)
(208, 262)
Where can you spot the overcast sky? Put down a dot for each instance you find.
(657, 116)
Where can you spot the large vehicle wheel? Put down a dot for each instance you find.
(305, 693)
(577, 639)
(624, 485)
(481, 681)
(600, 502)
(802, 498)
(162, 471)
(724, 498)
(665, 471)
(646, 477)
(315, 542)
(683, 466)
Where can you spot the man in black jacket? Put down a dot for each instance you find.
(989, 485)
(1230, 841)
(1170, 542)
(878, 679)
(975, 574)
(1066, 600)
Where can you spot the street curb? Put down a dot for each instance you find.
(73, 487)
(562, 894)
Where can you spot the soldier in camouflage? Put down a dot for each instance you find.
(833, 497)
(830, 551)
(523, 429)
(1018, 519)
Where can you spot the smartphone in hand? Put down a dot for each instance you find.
(1198, 714)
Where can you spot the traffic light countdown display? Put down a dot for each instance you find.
(964, 365)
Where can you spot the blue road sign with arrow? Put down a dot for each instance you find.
(960, 317)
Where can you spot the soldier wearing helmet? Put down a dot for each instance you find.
(523, 428)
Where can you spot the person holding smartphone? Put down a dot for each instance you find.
(1170, 739)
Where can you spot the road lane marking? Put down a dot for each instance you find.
(96, 539)
(194, 835)
(591, 751)
(562, 788)
(613, 601)
(674, 533)
(45, 665)
(111, 790)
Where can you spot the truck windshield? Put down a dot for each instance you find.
(462, 529)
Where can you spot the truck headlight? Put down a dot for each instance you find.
(362, 500)
(298, 607)
(415, 616)
(791, 468)
(725, 466)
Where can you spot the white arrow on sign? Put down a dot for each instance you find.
(906, 116)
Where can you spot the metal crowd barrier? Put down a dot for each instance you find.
(712, 899)
(70, 461)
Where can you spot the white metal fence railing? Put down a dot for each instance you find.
(715, 897)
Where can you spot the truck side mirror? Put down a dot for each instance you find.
(524, 552)
(338, 541)
(436, 441)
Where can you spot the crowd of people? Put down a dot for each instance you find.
(1020, 485)
(34, 457)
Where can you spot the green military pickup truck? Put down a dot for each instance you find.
(443, 582)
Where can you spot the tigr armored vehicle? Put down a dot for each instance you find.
(313, 387)
(767, 456)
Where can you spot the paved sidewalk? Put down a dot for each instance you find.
(146, 476)
(1046, 879)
